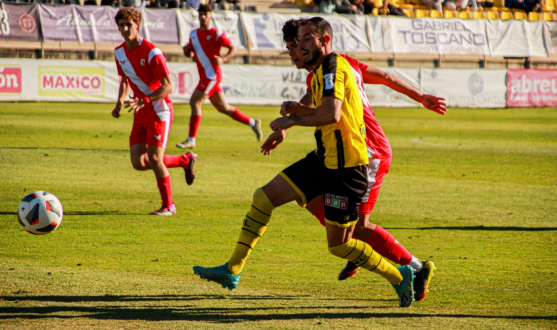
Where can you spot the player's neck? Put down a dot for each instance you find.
(204, 28)
(133, 43)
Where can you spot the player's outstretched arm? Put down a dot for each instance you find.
(164, 90)
(304, 107)
(123, 93)
(273, 141)
(328, 112)
(187, 51)
(431, 102)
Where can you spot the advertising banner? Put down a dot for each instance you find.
(67, 81)
(428, 35)
(19, 22)
(10, 80)
(264, 31)
(516, 38)
(467, 88)
(160, 26)
(58, 23)
(532, 88)
(550, 37)
(227, 21)
(94, 24)
(383, 96)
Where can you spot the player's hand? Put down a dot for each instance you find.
(273, 141)
(287, 108)
(116, 111)
(434, 103)
(218, 60)
(281, 123)
(134, 105)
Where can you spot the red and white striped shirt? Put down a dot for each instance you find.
(206, 45)
(144, 67)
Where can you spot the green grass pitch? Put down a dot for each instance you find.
(475, 191)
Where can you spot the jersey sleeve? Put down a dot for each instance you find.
(157, 64)
(223, 40)
(333, 78)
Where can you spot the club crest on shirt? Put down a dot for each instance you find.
(208, 37)
(328, 79)
(142, 62)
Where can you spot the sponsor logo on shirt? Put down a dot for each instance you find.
(329, 80)
(208, 37)
(158, 137)
(339, 202)
(123, 62)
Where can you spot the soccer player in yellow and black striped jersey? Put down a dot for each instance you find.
(336, 169)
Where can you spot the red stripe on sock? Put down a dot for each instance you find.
(165, 188)
(385, 244)
(240, 117)
(195, 120)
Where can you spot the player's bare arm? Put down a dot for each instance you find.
(123, 93)
(187, 51)
(431, 102)
(276, 138)
(328, 112)
(231, 52)
(137, 103)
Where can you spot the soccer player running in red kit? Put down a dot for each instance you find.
(204, 45)
(380, 155)
(142, 68)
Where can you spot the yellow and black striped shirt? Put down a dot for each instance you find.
(341, 144)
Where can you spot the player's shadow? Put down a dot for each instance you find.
(84, 213)
(486, 228)
(187, 311)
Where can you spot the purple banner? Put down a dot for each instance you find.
(19, 22)
(160, 26)
(58, 23)
(97, 24)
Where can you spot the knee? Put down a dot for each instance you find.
(341, 251)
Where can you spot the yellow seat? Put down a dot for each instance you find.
(549, 5)
(449, 14)
(498, 3)
(409, 12)
(506, 15)
(375, 12)
(405, 6)
(490, 9)
(434, 13)
(492, 15)
(464, 15)
(517, 10)
(534, 16)
(520, 15)
(548, 17)
(479, 14)
(421, 13)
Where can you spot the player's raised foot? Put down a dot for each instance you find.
(165, 210)
(257, 129)
(349, 271)
(422, 279)
(190, 173)
(187, 144)
(405, 289)
(220, 275)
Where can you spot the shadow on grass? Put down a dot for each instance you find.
(84, 213)
(482, 228)
(209, 314)
(71, 149)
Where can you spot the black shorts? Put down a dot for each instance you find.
(343, 189)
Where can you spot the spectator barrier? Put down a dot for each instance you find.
(97, 81)
(255, 31)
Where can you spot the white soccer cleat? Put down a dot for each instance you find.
(257, 129)
(187, 144)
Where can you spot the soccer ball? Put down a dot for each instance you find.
(40, 213)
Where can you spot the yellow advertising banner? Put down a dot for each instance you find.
(71, 81)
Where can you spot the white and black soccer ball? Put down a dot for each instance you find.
(40, 213)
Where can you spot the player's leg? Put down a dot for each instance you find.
(219, 102)
(343, 192)
(294, 183)
(196, 102)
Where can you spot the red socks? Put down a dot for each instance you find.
(165, 188)
(171, 161)
(385, 244)
(240, 117)
(195, 120)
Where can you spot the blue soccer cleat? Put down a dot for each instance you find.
(349, 271)
(405, 289)
(220, 275)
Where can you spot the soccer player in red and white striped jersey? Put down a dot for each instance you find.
(142, 68)
(204, 45)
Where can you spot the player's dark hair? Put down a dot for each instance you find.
(321, 26)
(205, 9)
(128, 12)
(290, 29)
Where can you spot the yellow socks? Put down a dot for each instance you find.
(362, 255)
(255, 224)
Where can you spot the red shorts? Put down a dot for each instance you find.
(209, 87)
(376, 171)
(153, 133)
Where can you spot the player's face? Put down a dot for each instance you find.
(295, 54)
(205, 19)
(128, 29)
(310, 44)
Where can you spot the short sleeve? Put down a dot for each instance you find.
(119, 68)
(223, 40)
(333, 78)
(158, 66)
